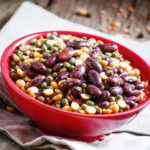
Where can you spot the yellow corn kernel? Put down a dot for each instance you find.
(63, 70)
(90, 110)
(141, 97)
(32, 94)
(48, 92)
(114, 64)
(61, 82)
(16, 58)
(75, 106)
(103, 76)
(10, 109)
(20, 72)
(37, 55)
(29, 60)
(85, 49)
(33, 89)
(131, 72)
(58, 97)
(80, 110)
(84, 56)
(69, 98)
(136, 72)
(112, 103)
(106, 111)
(85, 96)
(77, 53)
(68, 108)
(64, 37)
(42, 40)
(58, 91)
(20, 83)
(79, 62)
(121, 103)
(26, 78)
(54, 85)
(114, 108)
(103, 62)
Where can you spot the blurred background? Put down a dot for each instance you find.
(125, 18)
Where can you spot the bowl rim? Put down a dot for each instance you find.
(6, 76)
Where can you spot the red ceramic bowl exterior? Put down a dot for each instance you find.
(69, 123)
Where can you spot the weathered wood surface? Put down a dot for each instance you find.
(67, 8)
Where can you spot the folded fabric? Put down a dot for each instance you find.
(135, 135)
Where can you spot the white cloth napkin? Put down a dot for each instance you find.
(31, 18)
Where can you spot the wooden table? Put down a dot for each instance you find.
(67, 8)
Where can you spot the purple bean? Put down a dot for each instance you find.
(115, 81)
(24, 66)
(131, 101)
(106, 68)
(105, 95)
(119, 70)
(62, 76)
(130, 79)
(46, 98)
(80, 44)
(94, 78)
(51, 60)
(58, 66)
(37, 81)
(116, 90)
(38, 66)
(109, 47)
(104, 104)
(93, 90)
(78, 72)
(66, 54)
(93, 64)
(127, 88)
(134, 93)
(108, 59)
(139, 86)
(66, 85)
(76, 91)
(31, 73)
(95, 52)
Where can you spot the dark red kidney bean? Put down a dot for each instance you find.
(46, 98)
(94, 78)
(134, 93)
(126, 88)
(105, 95)
(104, 104)
(69, 43)
(24, 66)
(115, 81)
(66, 85)
(116, 90)
(108, 47)
(108, 59)
(139, 86)
(58, 66)
(31, 73)
(66, 54)
(131, 98)
(62, 76)
(76, 91)
(119, 70)
(37, 81)
(131, 101)
(93, 90)
(93, 64)
(38, 66)
(106, 68)
(80, 44)
(51, 60)
(78, 72)
(123, 74)
(95, 52)
(130, 79)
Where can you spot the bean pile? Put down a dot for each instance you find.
(77, 74)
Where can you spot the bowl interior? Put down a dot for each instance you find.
(136, 61)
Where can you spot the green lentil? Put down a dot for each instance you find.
(72, 67)
(42, 60)
(32, 42)
(49, 79)
(83, 106)
(44, 85)
(45, 55)
(90, 103)
(98, 110)
(52, 36)
(49, 87)
(112, 99)
(44, 48)
(115, 54)
(84, 90)
(49, 70)
(109, 73)
(66, 64)
(41, 98)
(84, 85)
(57, 106)
(55, 49)
(13, 63)
(65, 102)
(31, 54)
(22, 58)
(58, 102)
(108, 54)
(38, 44)
(99, 42)
(84, 38)
(72, 61)
(119, 97)
(54, 33)
(54, 74)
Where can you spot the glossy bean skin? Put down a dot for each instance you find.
(66, 85)
(108, 59)
(103, 104)
(62, 76)
(95, 52)
(131, 101)
(106, 68)
(139, 86)
(94, 78)
(31, 73)
(37, 81)
(134, 93)
(38, 66)
(93, 90)
(76, 91)
(116, 90)
(24, 66)
(66, 54)
(58, 66)
(105, 95)
(46, 98)
(119, 70)
(130, 79)
(127, 89)
(51, 60)
(93, 64)
(115, 81)
(108, 47)
(80, 44)
(78, 72)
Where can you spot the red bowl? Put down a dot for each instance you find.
(80, 126)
